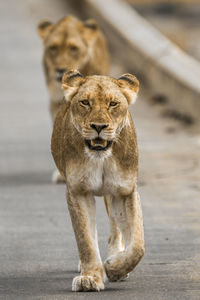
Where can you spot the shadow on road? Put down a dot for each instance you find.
(52, 284)
(26, 178)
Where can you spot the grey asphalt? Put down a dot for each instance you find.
(38, 255)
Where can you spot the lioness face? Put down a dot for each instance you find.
(99, 106)
(67, 45)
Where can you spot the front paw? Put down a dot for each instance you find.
(87, 283)
(115, 269)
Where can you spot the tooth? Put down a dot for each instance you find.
(104, 143)
(92, 143)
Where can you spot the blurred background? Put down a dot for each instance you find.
(159, 41)
(178, 20)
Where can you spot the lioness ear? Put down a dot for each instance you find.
(91, 23)
(70, 83)
(129, 86)
(44, 28)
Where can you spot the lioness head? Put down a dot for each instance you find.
(69, 44)
(99, 106)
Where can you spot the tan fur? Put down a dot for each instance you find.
(94, 146)
(71, 44)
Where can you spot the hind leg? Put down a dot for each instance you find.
(115, 240)
(57, 177)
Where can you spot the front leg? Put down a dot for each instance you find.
(128, 215)
(83, 217)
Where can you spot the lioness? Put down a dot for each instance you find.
(71, 44)
(94, 146)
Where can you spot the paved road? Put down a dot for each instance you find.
(38, 256)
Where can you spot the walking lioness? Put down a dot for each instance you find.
(94, 146)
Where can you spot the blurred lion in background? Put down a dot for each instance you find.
(71, 44)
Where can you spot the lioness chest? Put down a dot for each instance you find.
(101, 177)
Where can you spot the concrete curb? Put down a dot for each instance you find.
(160, 65)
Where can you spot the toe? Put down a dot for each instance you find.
(85, 284)
(76, 284)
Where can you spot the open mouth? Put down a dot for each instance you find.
(98, 144)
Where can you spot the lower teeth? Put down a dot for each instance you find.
(93, 143)
(103, 144)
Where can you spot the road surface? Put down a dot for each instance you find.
(38, 255)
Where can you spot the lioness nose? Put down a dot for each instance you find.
(61, 71)
(98, 128)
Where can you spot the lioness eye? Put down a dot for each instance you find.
(113, 103)
(73, 48)
(53, 49)
(85, 102)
